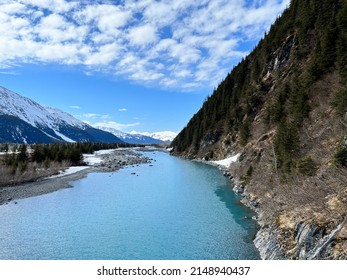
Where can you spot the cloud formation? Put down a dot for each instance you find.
(116, 125)
(75, 107)
(176, 44)
(94, 116)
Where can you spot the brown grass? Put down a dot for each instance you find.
(33, 172)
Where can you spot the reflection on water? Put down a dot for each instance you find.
(241, 214)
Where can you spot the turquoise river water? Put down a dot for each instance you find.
(175, 209)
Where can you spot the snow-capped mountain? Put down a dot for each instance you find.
(165, 136)
(23, 120)
(131, 138)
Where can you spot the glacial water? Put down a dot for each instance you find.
(175, 209)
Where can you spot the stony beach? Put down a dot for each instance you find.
(101, 161)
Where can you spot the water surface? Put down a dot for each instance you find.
(175, 209)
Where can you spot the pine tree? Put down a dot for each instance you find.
(22, 156)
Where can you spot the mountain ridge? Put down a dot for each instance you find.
(23, 120)
(130, 138)
(165, 136)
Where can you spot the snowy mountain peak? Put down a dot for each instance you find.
(131, 138)
(24, 108)
(62, 117)
(23, 120)
(166, 136)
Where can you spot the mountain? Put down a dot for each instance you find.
(165, 136)
(283, 110)
(131, 138)
(23, 120)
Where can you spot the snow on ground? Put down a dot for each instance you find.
(92, 159)
(226, 162)
(9, 153)
(69, 171)
(104, 152)
(89, 159)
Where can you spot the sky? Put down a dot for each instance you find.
(133, 65)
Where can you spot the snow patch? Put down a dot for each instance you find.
(227, 161)
(91, 159)
(105, 152)
(69, 171)
(65, 138)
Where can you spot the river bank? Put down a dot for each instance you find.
(289, 228)
(100, 161)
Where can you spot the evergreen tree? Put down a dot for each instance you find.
(22, 156)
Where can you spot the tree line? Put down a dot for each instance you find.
(19, 156)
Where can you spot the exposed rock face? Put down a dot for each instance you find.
(288, 239)
(312, 242)
(268, 246)
(284, 53)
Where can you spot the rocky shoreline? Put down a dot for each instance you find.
(308, 241)
(265, 240)
(108, 161)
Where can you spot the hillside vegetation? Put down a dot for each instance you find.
(284, 108)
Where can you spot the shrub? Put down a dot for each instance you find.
(249, 171)
(340, 101)
(340, 157)
(306, 166)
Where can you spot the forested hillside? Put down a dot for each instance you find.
(284, 109)
(307, 42)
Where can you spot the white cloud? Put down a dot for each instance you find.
(184, 53)
(116, 125)
(182, 73)
(53, 5)
(63, 53)
(143, 35)
(107, 18)
(104, 54)
(122, 110)
(180, 44)
(13, 8)
(75, 107)
(95, 116)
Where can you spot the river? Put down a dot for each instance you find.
(172, 209)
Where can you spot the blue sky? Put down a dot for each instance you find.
(132, 65)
